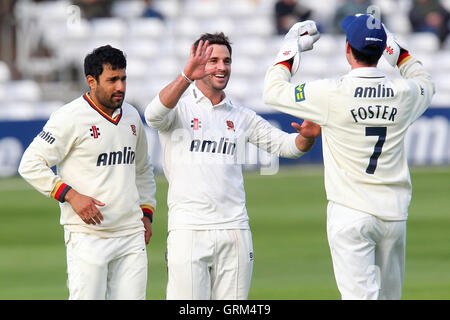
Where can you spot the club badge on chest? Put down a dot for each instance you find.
(230, 125)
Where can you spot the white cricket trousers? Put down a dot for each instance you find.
(97, 266)
(368, 254)
(209, 264)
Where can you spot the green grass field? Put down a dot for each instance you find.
(287, 217)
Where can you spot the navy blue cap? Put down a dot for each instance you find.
(364, 30)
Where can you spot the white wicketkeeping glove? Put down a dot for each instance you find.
(393, 47)
(301, 37)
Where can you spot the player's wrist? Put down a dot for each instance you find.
(147, 212)
(60, 191)
(69, 195)
(287, 63)
(149, 216)
(186, 77)
(304, 144)
(403, 57)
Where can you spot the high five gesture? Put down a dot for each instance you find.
(194, 70)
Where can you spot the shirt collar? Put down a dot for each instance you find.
(366, 72)
(199, 97)
(116, 116)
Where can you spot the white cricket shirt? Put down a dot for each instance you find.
(98, 156)
(204, 147)
(364, 117)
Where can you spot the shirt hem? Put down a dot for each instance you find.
(103, 233)
(381, 217)
(208, 227)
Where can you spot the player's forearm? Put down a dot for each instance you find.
(35, 171)
(157, 115)
(279, 93)
(276, 85)
(145, 179)
(170, 95)
(157, 112)
(304, 144)
(413, 69)
(273, 140)
(282, 144)
(146, 186)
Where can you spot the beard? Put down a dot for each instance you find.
(110, 101)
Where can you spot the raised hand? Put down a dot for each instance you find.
(394, 47)
(301, 37)
(195, 68)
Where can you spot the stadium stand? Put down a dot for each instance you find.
(157, 49)
(5, 74)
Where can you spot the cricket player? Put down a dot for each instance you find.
(104, 182)
(204, 137)
(364, 118)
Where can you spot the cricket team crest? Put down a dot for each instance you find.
(230, 125)
(133, 129)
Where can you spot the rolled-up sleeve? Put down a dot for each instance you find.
(158, 116)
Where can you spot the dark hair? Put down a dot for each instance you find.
(365, 58)
(214, 38)
(105, 55)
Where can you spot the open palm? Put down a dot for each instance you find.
(195, 68)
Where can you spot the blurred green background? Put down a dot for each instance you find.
(288, 221)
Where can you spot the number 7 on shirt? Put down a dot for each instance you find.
(381, 133)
